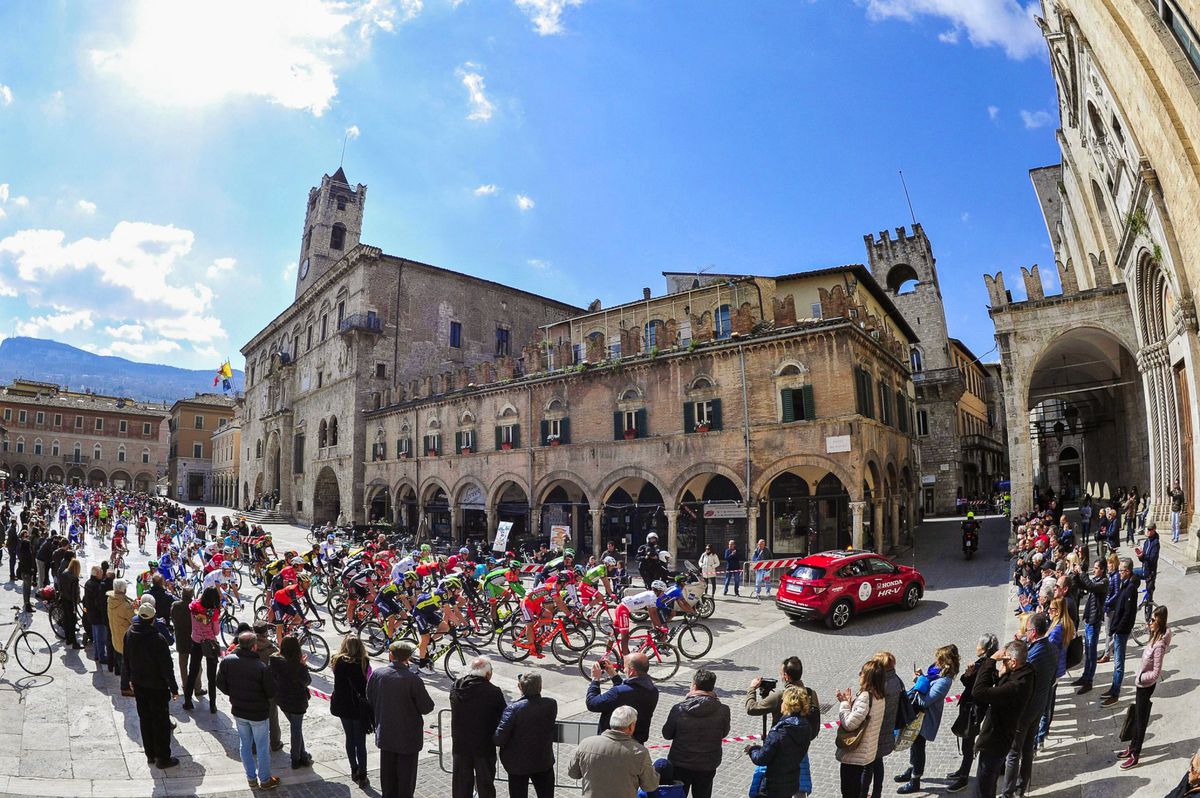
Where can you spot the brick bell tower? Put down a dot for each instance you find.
(332, 227)
(905, 266)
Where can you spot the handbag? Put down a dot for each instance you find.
(1127, 724)
(1074, 652)
(758, 782)
(905, 712)
(962, 724)
(849, 740)
(909, 733)
(210, 649)
(366, 715)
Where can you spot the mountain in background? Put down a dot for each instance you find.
(50, 361)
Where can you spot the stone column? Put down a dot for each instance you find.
(877, 531)
(597, 512)
(456, 533)
(856, 524)
(894, 508)
(672, 536)
(493, 518)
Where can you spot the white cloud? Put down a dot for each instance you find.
(524, 202)
(146, 350)
(207, 352)
(6, 95)
(20, 201)
(993, 113)
(1008, 24)
(1035, 119)
(289, 272)
(128, 332)
(3, 193)
(966, 216)
(219, 268)
(949, 36)
(86, 207)
(352, 132)
(481, 107)
(486, 190)
(539, 264)
(285, 51)
(58, 323)
(546, 15)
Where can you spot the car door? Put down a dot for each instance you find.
(859, 583)
(887, 585)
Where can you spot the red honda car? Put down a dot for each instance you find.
(836, 585)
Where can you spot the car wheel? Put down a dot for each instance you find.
(912, 595)
(839, 615)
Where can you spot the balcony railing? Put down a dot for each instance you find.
(76, 459)
(368, 322)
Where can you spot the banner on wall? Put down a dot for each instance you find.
(559, 534)
(502, 530)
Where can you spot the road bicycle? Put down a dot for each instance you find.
(566, 645)
(1141, 632)
(30, 648)
(315, 648)
(662, 655)
(693, 638)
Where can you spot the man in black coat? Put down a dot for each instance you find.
(1095, 587)
(398, 700)
(26, 569)
(13, 544)
(1043, 660)
(526, 736)
(475, 709)
(148, 662)
(45, 551)
(1003, 690)
(248, 682)
(1124, 616)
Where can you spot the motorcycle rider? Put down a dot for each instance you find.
(970, 531)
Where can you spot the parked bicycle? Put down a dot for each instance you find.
(31, 649)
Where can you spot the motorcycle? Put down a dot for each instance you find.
(970, 541)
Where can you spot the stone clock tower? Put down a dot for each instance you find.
(332, 226)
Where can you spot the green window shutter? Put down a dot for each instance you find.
(544, 430)
(785, 401)
(398, 449)
(458, 443)
(858, 391)
(426, 445)
(689, 417)
(640, 420)
(564, 430)
(618, 426)
(868, 396)
(806, 398)
(714, 417)
(499, 438)
(516, 436)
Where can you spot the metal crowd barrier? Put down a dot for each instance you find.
(567, 735)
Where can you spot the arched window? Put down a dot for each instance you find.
(97, 452)
(323, 434)
(77, 453)
(722, 328)
(37, 446)
(20, 445)
(333, 431)
(308, 240)
(145, 455)
(655, 330)
(701, 384)
(120, 454)
(337, 237)
(915, 358)
(54, 448)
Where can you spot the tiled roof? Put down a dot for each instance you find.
(81, 403)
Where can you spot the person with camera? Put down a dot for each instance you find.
(636, 689)
(970, 716)
(1003, 690)
(783, 749)
(764, 696)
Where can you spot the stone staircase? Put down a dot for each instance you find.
(263, 517)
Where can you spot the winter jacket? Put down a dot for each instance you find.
(248, 682)
(852, 716)
(933, 704)
(1003, 701)
(613, 765)
(25, 559)
(1185, 787)
(708, 565)
(782, 751)
(181, 620)
(638, 692)
(1043, 659)
(1056, 637)
(94, 602)
(772, 705)
(1149, 556)
(893, 694)
(120, 617)
(399, 699)
(349, 684)
(291, 685)
(67, 588)
(147, 661)
(526, 734)
(163, 601)
(696, 726)
(1125, 606)
(1097, 591)
(476, 706)
(1150, 671)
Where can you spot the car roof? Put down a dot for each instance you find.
(825, 559)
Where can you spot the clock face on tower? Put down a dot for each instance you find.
(304, 269)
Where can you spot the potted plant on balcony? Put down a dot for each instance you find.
(431, 453)
(506, 445)
(553, 440)
(465, 450)
(630, 433)
(702, 426)
(405, 455)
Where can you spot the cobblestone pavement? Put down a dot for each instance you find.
(70, 732)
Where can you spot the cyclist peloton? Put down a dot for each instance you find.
(428, 615)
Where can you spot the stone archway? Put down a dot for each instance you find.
(327, 497)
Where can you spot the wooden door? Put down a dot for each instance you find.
(1184, 405)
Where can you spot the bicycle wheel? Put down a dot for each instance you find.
(580, 634)
(56, 621)
(456, 661)
(316, 648)
(33, 653)
(229, 625)
(562, 652)
(601, 650)
(373, 637)
(340, 622)
(506, 644)
(317, 591)
(255, 577)
(694, 640)
(663, 656)
(480, 630)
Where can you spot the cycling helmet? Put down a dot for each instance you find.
(464, 551)
(305, 578)
(651, 536)
(226, 566)
(680, 579)
(609, 561)
(658, 584)
(970, 515)
(514, 565)
(330, 537)
(569, 553)
(425, 547)
(452, 581)
(297, 561)
(153, 563)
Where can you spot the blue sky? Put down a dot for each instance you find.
(154, 169)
